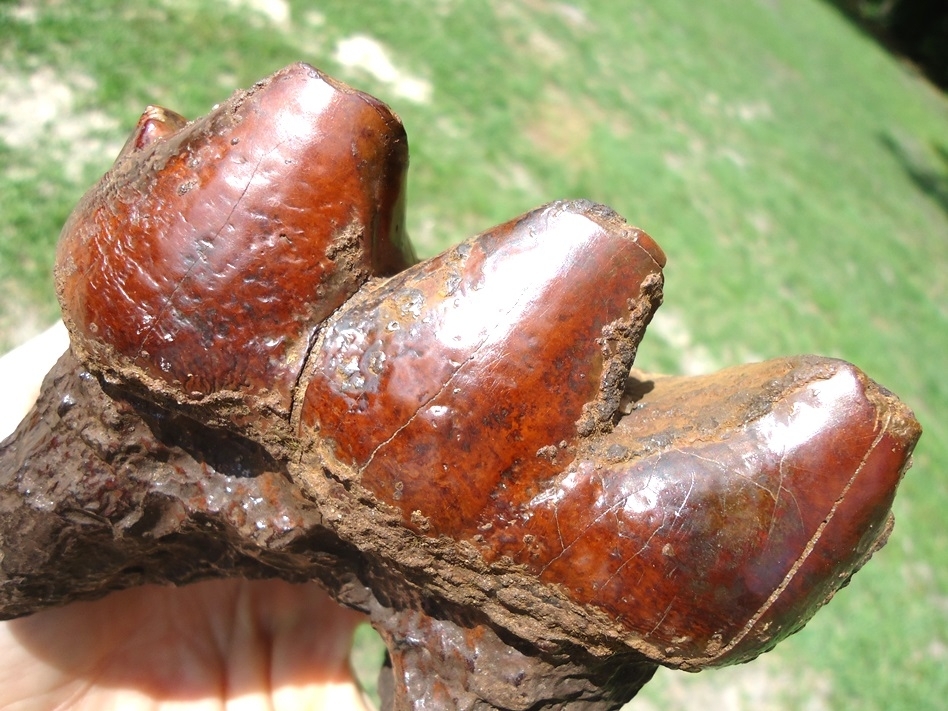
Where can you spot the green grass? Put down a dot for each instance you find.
(794, 173)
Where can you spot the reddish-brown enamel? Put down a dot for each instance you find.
(208, 256)
(451, 386)
(724, 510)
(711, 522)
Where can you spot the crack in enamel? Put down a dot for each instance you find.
(801, 413)
(619, 504)
(811, 545)
(205, 246)
(486, 339)
(414, 416)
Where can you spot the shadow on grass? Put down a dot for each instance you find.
(913, 30)
(852, 10)
(931, 180)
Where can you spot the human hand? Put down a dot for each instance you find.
(233, 644)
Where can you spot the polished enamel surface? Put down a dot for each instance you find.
(442, 385)
(211, 252)
(711, 522)
(715, 544)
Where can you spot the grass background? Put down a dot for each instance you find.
(794, 173)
